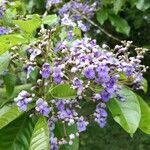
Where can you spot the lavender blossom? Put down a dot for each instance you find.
(81, 124)
(58, 74)
(4, 30)
(29, 70)
(89, 73)
(22, 100)
(100, 114)
(34, 52)
(1, 13)
(42, 107)
(78, 84)
(45, 72)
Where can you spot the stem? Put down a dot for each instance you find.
(64, 127)
(102, 29)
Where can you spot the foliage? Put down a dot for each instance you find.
(47, 82)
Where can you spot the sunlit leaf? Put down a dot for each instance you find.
(40, 137)
(4, 61)
(120, 24)
(17, 135)
(145, 116)
(63, 91)
(127, 114)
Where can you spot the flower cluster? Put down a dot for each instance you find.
(100, 114)
(23, 99)
(42, 107)
(73, 13)
(90, 71)
(4, 30)
(85, 66)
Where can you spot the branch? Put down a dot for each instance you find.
(101, 29)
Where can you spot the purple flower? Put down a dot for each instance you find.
(60, 46)
(81, 124)
(78, 84)
(105, 96)
(1, 13)
(42, 107)
(34, 52)
(100, 115)
(89, 73)
(70, 35)
(4, 31)
(129, 70)
(23, 99)
(60, 104)
(45, 72)
(82, 26)
(53, 143)
(67, 21)
(58, 74)
(29, 70)
(111, 85)
(66, 113)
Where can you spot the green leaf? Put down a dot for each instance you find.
(143, 4)
(11, 113)
(145, 116)
(127, 114)
(4, 62)
(29, 26)
(62, 91)
(102, 16)
(77, 32)
(10, 82)
(17, 135)
(50, 19)
(145, 85)
(62, 129)
(12, 39)
(118, 5)
(40, 136)
(3, 48)
(120, 24)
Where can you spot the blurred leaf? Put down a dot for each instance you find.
(40, 136)
(63, 91)
(4, 62)
(29, 26)
(77, 32)
(3, 48)
(143, 4)
(16, 135)
(120, 24)
(127, 114)
(59, 132)
(133, 2)
(12, 39)
(145, 116)
(10, 82)
(11, 114)
(118, 5)
(102, 16)
(145, 85)
(50, 19)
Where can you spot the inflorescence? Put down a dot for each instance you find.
(80, 63)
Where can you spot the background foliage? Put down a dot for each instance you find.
(125, 19)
